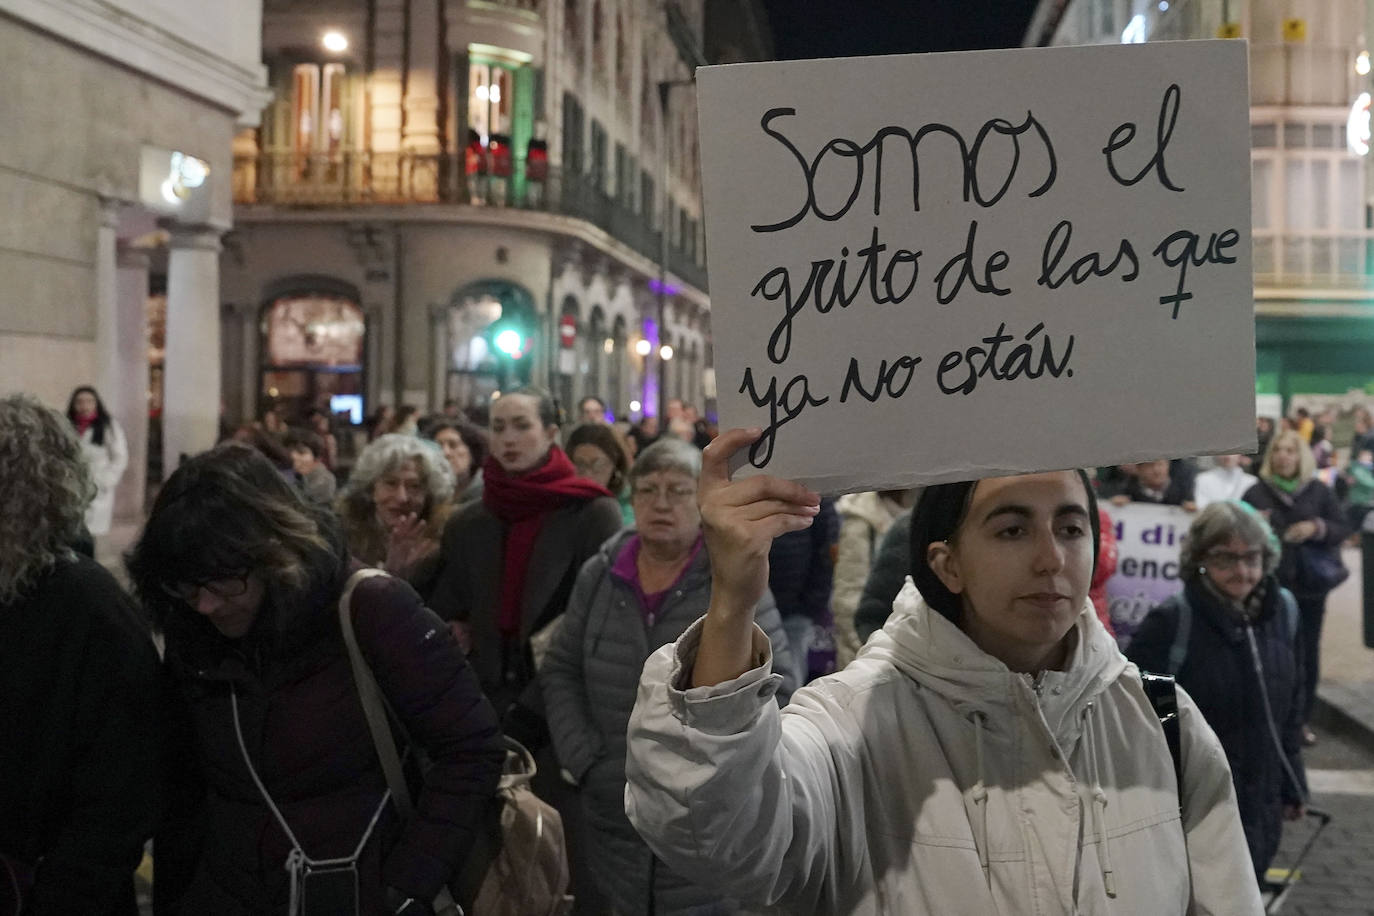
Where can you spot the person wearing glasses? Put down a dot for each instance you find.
(272, 764)
(598, 456)
(988, 751)
(640, 592)
(1232, 618)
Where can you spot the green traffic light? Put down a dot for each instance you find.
(510, 342)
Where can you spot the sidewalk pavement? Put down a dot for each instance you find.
(1345, 696)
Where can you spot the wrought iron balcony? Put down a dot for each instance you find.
(361, 177)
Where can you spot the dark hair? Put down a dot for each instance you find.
(937, 516)
(604, 438)
(474, 438)
(226, 513)
(591, 397)
(298, 438)
(547, 410)
(102, 416)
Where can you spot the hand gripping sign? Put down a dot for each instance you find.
(938, 267)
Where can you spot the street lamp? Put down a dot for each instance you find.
(665, 353)
(334, 41)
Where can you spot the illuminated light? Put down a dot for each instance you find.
(634, 406)
(495, 94)
(1134, 33)
(1164, 6)
(334, 42)
(509, 342)
(191, 171)
(1362, 63)
(665, 352)
(496, 394)
(482, 93)
(172, 193)
(272, 392)
(608, 346)
(1357, 126)
(643, 347)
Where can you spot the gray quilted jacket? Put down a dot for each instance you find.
(590, 675)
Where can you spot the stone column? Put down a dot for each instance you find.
(421, 125)
(106, 379)
(191, 379)
(131, 355)
(384, 96)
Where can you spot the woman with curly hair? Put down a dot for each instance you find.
(78, 688)
(275, 766)
(394, 507)
(106, 450)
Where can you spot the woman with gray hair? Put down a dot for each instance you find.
(647, 585)
(1229, 640)
(78, 688)
(394, 507)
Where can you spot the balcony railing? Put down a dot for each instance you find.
(1315, 259)
(360, 178)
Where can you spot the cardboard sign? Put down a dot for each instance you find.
(1148, 538)
(939, 267)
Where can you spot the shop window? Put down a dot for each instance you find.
(313, 351)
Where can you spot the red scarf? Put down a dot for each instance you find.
(85, 423)
(523, 503)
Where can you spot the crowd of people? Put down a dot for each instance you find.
(737, 693)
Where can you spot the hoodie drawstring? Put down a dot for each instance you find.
(1099, 804)
(979, 793)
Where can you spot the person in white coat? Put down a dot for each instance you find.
(106, 450)
(988, 752)
(864, 519)
(1228, 480)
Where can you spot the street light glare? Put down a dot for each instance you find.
(665, 352)
(334, 42)
(1362, 63)
(643, 347)
(509, 342)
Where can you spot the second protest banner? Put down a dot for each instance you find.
(1148, 539)
(945, 266)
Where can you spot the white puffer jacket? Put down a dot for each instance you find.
(108, 461)
(928, 778)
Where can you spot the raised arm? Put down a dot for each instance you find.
(740, 519)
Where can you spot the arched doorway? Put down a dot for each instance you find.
(492, 342)
(313, 336)
(595, 354)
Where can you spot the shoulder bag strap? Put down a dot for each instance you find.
(1290, 612)
(374, 708)
(1182, 633)
(1162, 693)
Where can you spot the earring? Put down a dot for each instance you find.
(1202, 570)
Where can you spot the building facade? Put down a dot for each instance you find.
(1309, 115)
(445, 198)
(119, 122)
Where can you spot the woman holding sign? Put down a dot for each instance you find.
(989, 751)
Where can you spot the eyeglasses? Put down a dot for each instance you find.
(220, 588)
(595, 466)
(1224, 559)
(674, 494)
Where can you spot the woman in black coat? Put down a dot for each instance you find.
(244, 580)
(1232, 614)
(78, 688)
(1307, 518)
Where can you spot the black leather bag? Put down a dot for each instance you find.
(1320, 568)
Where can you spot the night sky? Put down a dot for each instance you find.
(847, 28)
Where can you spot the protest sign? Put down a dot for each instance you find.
(938, 267)
(1148, 538)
